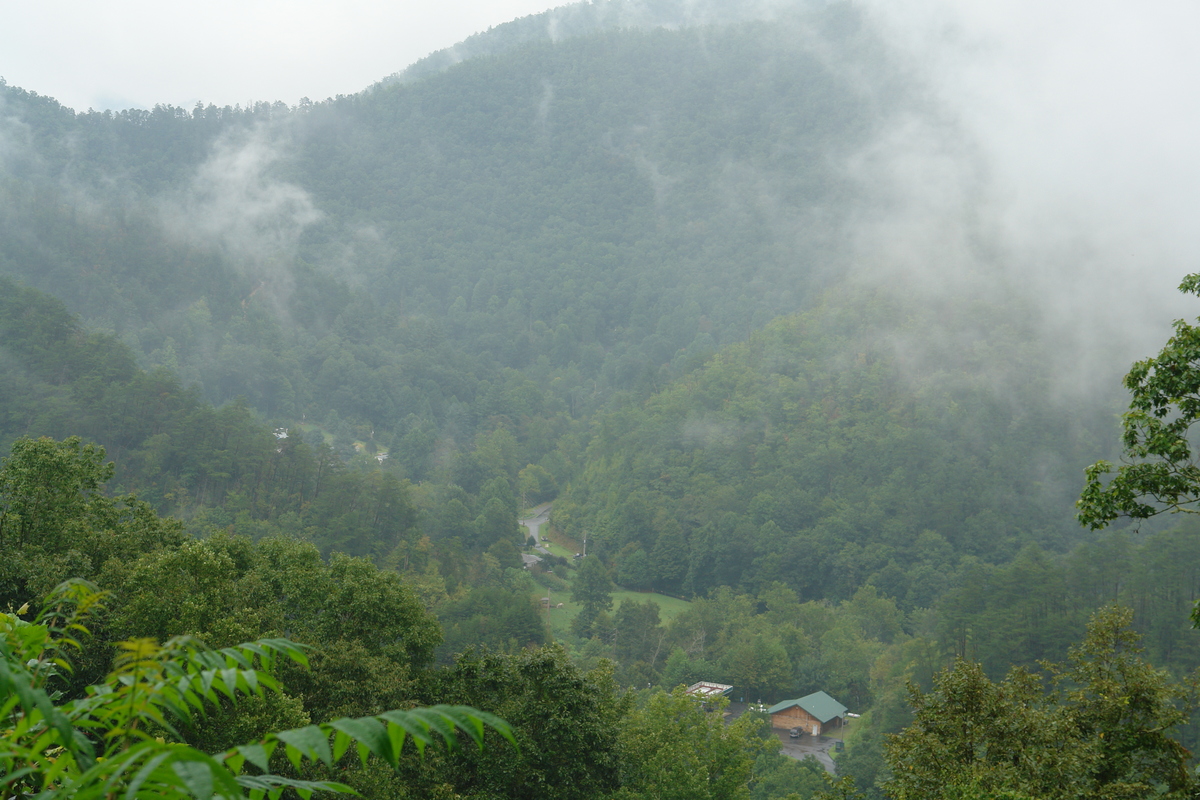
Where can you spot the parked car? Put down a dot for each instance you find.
(794, 733)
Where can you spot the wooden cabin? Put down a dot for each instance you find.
(816, 714)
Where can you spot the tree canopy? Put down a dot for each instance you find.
(1160, 473)
(1104, 730)
(114, 740)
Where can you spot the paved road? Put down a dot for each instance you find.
(535, 522)
(808, 746)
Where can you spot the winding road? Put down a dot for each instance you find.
(535, 523)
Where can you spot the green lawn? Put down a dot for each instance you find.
(557, 549)
(668, 607)
(560, 618)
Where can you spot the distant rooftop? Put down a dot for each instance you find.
(820, 705)
(708, 689)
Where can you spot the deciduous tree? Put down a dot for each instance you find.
(673, 749)
(592, 589)
(1103, 732)
(1161, 472)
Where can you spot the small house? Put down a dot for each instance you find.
(815, 713)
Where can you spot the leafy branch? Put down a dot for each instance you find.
(1161, 473)
(103, 745)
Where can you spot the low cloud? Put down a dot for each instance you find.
(1050, 150)
(15, 138)
(234, 204)
(706, 430)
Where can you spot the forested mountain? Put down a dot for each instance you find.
(610, 256)
(814, 455)
(618, 202)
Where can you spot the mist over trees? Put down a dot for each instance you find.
(299, 371)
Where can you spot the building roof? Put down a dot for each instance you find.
(820, 705)
(709, 689)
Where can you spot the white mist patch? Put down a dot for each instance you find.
(234, 205)
(543, 107)
(922, 212)
(660, 183)
(357, 256)
(706, 430)
(16, 138)
(1051, 153)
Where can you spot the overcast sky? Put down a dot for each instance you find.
(126, 53)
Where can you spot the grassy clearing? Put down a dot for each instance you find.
(558, 550)
(566, 542)
(560, 618)
(668, 607)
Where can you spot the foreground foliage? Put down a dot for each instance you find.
(119, 739)
(1160, 473)
(679, 751)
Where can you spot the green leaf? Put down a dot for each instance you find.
(371, 733)
(197, 777)
(311, 741)
(404, 722)
(256, 754)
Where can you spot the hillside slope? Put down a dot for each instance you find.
(836, 448)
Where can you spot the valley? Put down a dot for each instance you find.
(553, 378)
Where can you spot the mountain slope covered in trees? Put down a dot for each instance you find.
(594, 211)
(815, 454)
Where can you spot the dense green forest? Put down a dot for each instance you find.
(387, 255)
(301, 370)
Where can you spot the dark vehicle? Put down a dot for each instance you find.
(794, 733)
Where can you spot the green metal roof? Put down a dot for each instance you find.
(819, 704)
